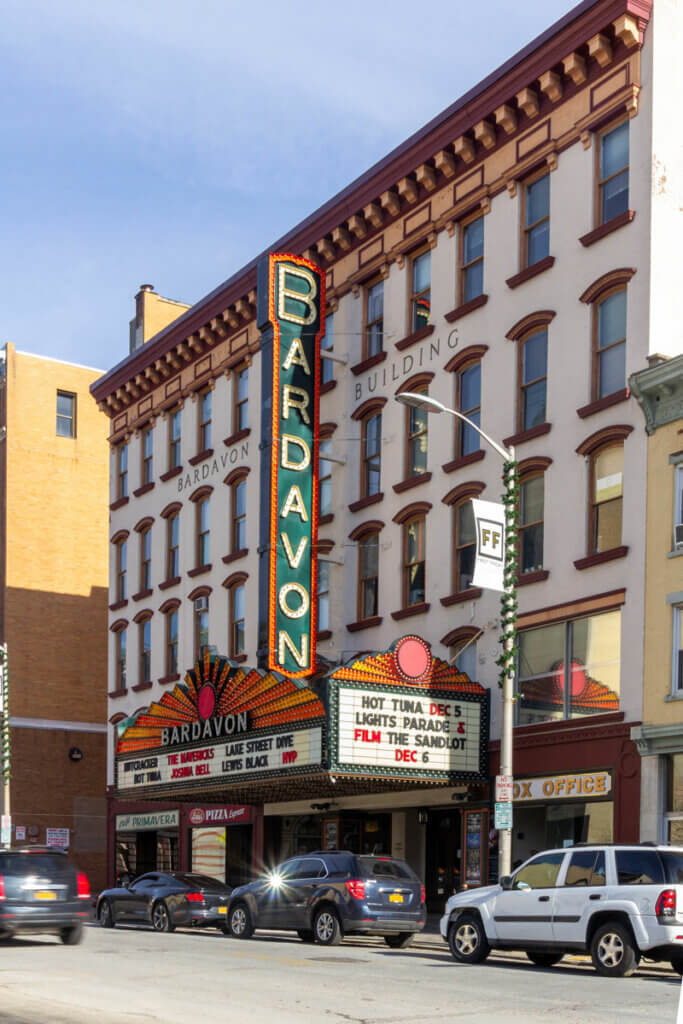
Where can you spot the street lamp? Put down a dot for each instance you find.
(509, 599)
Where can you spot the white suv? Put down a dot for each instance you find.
(616, 901)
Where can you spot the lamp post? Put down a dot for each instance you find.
(508, 601)
(5, 753)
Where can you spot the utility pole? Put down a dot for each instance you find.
(6, 741)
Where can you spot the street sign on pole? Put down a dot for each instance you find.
(503, 789)
(502, 818)
(5, 829)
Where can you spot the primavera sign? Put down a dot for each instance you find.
(296, 304)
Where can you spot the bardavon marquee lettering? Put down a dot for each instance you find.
(296, 303)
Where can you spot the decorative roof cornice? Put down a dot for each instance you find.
(659, 390)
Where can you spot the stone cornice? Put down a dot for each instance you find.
(659, 391)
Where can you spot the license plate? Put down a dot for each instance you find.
(45, 894)
(395, 897)
(222, 910)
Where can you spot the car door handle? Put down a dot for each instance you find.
(543, 899)
(595, 896)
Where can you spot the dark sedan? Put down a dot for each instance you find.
(42, 891)
(167, 900)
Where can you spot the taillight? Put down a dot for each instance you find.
(423, 894)
(195, 897)
(356, 888)
(82, 886)
(2, 888)
(665, 907)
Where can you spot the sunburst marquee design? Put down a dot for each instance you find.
(217, 687)
(409, 662)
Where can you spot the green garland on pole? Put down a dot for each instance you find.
(6, 749)
(508, 600)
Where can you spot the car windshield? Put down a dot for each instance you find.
(384, 867)
(198, 881)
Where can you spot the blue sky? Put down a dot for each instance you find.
(166, 142)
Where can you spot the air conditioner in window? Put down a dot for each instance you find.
(678, 535)
(201, 604)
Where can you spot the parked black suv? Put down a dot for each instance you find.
(42, 891)
(328, 894)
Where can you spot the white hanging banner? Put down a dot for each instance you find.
(489, 525)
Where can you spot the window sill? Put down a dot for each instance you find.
(412, 481)
(464, 460)
(200, 456)
(233, 556)
(176, 471)
(528, 435)
(603, 403)
(414, 609)
(200, 570)
(538, 576)
(675, 554)
(356, 627)
(117, 693)
(173, 678)
(141, 594)
(173, 582)
(239, 435)
(466, 307)
(371, 499)
(142, 686)
(118, 604)
(145, 489)
(329, 385)
(324, 634)
(606, 229)
(600, 557)
(119, 503)
(238, 659)
(529, 272)
(412, 339)
(327, 518)
(471, 594)
(367, 364)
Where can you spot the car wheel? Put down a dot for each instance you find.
(677, 965)
(326, 928)
(161, 919)
(305, 934)
(467, 940)
(106, 914)
(241, 925)
(613, 951)
(71, 936)
(399, 941)
(545, 959)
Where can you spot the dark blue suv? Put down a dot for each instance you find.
(328, 894)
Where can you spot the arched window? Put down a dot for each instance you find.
(201, 498)
(463, 537)
(119, 631)
(367, 590)
(200, 605)
(170, 611)
(144, 623)
(145, 583)
(172, 516)
(120, 542)
(414, 560)
(204, 424)
(325, 469)
(604, 451)
(462, 646)
(237, 641)
(237, 482)
(531, 515)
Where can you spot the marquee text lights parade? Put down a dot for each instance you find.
(296, 300)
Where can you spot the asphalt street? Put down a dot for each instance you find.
(135, 976)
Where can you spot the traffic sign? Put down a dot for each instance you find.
(503, 789)
(503, 816)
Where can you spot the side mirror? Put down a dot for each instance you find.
(506, 882)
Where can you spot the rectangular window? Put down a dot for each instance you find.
(121, 570)
(66, 414)
(203, 533)
(145, 641)
(414, 562)
(371, 464)
(677, 661)
(147, 449)
(611, 344)
(122, 470)
(368, 576)
(374, 319)
(586, 867)
(174, 439)
(173, 548)
(584, 651)
(326, 345)
(420, 303)
(607, 472)
(201, 629)
(531, 510)
(536, 220)
(639, 867)
(323, 596)
(172, 642)
(464, 657)
(465, 546)
(121, 638)
(241, 400)
(324, 477)
(239, 516)
(613, 173)
(204, 421)
(237, 621)
(146, 560)
(472, 260)
(468, 402)
(533, 375)
(678, 507)
(416, 441)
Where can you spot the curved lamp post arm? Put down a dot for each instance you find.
(419, 401)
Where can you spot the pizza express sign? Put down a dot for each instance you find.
(295, 290)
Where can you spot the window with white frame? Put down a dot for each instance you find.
(677, 659)
(678, 507)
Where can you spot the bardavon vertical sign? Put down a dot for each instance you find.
(296, 312)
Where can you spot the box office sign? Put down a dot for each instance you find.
(419, 731)
(296, 311)
(583, 786)
(147, 822)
